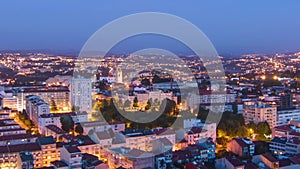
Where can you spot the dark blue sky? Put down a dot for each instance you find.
(256, 26)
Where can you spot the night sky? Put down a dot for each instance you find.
(234, 27)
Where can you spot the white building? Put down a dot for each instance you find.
(10, 101)
(208, 97)
(81, 94)
(119, 76)
(165, 133)
(72, 156)
(109, 79)
(260, 112)
(35, 107)
(130, 158)
(210, 129)
(16, 98)
(285, 116)
(139, 139)
(99, 126)
(48, 119)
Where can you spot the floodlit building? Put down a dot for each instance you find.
(129, 158)
(72, 156)
(35, 107)
(81, 93)
(209, 128)
(25, 160)
(260, 112)
(49, 151)
(9, 153)
(139, 139)
(242, 147)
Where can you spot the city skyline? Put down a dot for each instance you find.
(149, 85)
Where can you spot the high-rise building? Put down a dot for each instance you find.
(260, 112)
(81, 94)
(35, 107)
(286, 101)
(119, 75)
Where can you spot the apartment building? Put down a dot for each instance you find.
(242, 147)
(25, 160)
(129, 158)
(35, 107)
(209, 127)
(9, 153)
(285, 116)
(260, 112)
(81, 93)
(277, 145)
(49, 151)
(72, 156)
(139, 139)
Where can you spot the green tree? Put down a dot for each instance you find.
(53, 106)
(79, 129)
(148, 105)
(127, 104)
(28, 123)
(67, 123)
(75, 108)
(263, 128)
(135, 102)
(156, 102)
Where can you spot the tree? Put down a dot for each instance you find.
(53, 106)
(120, 103)
(156, 102)
(127, 104)
(263, 128)
(75, 108)
(79, 129)
(67, 123)
(148, 105)
(168, 106)
(135, 102)
(104, 103)
(28, 123)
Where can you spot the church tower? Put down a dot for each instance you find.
(119, 77)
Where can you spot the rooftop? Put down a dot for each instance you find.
(235, 162)
(281, 140)
(163, 131)
(20, 147)
(72, 149)
(17, 137)
(26, 156)
(137, 133)
(269, 157)
(59, 163)
(46, 140)
(131, 153)
(56, 129)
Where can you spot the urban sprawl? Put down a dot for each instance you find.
(61, 112)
